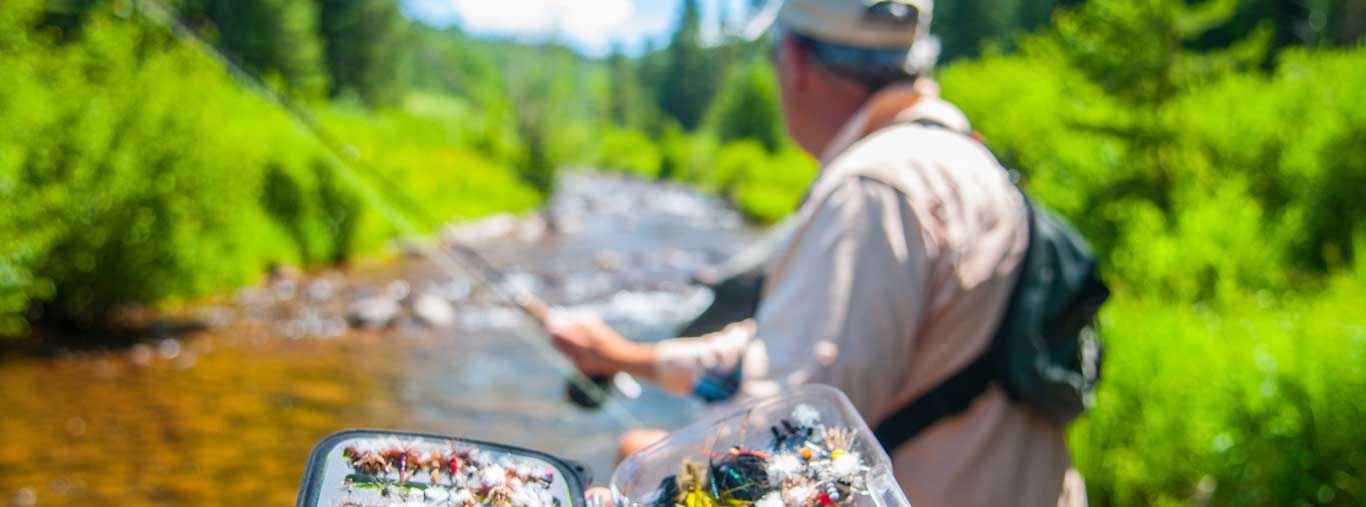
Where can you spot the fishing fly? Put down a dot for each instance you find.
(806, 463)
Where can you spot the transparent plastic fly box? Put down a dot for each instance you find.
(806, 447)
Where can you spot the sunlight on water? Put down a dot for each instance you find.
(227, 415)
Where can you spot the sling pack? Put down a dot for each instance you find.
(1045, 352)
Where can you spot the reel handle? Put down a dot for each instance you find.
(581, 398)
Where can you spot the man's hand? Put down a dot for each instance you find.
(597, 350)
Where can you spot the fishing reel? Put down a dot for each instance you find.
(590, 393)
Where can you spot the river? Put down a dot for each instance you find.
(226, 414)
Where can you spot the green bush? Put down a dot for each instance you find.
(1231, 379)
(134, 170)
(748, 107)
(735, 163)
(131, 176)
(1256, 176)
(1257, 403)
(423, 158)
(1299, 138)
(629, 151)
(771, 191)
(764, 186)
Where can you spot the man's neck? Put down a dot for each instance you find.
(878, 111)
(840, 118)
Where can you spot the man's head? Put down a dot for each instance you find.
(832, 55)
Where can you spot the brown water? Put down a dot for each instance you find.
(226, 415)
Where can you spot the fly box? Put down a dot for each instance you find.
(806, 447)
(363, 468)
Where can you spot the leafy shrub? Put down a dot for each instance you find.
(1257, 403)
(682, 157)
(1244, 192)
(748, 107)
(773, 190)
(424, 160)
(120, 164)
(1297, 136)
(764, 186)
(734, 163)
(629, 151)
(1224, 385)
(136, 170)
(273, 38)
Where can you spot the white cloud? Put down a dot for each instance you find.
(589, 22)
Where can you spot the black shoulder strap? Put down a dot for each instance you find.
(952, 396)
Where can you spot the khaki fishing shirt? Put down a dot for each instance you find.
(895, 277)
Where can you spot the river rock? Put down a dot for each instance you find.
(412, 248)
(438, 494)
(284, 289)
(321, 290)
(564, 224)
(433, 310)
(491, 227)
(397, 290)
(532, 229)
(372, 312)
(455, 290)
(608, 261)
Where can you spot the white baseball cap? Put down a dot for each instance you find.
(864, 24)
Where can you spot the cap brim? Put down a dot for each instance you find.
(762, 20)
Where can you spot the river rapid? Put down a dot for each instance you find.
(225, 414)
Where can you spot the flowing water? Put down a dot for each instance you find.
(226, 414)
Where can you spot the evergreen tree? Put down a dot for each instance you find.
(1136, 51)
(690, 81)
(748, 108)
(624, 101)
(277, 39)
(1035, 14)
(361, 38)
(1346, 20)
(964, 25)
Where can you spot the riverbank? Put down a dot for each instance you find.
(136, 168)
(226, 414)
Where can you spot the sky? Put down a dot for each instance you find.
(590, 26)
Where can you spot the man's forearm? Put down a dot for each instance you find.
(679, 364)
(637, 359)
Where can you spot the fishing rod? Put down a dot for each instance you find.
(582, 390)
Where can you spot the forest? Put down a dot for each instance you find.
(1214, 152)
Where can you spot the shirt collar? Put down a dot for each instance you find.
(896, 104)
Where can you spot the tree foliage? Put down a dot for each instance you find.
(748, 108)
(361, 39)
(274, 38)
(689, 80)
(135, 170)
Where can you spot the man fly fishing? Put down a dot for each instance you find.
(917, 278)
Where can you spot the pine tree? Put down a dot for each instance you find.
(691, 78)
(748, 108)
(624, 89)
(276, 39)
(360, 38)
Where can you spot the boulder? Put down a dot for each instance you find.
(372, 312)
(433, 310)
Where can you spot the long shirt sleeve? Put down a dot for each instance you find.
(845, 298)
(842, 297)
